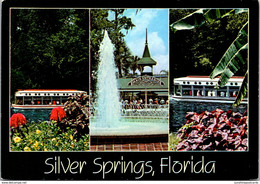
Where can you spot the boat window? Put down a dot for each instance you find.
(37, 101)
(63, 99)
(55, 100)
(28, 101)
(233, 91)
(198, 91)
(177, 90)
(47, 100)
(19, 100)
(186, 90)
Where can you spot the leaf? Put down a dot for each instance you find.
(199, 17)
(233, 59)
(242, 90)
(214, 14)
(191, 21)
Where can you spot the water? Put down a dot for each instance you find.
(33, 115)
(108, 103)
(107, 119)
(178, 111)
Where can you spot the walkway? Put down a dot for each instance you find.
(159, 146)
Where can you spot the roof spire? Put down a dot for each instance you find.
(146, 38)
(146, 59)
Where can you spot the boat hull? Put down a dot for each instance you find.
(209, 100)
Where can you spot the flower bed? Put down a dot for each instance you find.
(216, 130)
(47, 136)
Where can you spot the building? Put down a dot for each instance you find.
(147, 85)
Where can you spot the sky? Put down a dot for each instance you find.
(157, 23)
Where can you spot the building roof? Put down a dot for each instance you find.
(146, 59)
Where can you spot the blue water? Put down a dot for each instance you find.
(34, 115)
(178, 111)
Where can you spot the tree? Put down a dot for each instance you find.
(99, 23)
(134, 66)
(235, 57)
(49, 48)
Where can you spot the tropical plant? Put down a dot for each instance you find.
(216, 130)
(134, 66)
(235, 57)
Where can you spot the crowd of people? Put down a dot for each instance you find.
(140, 104)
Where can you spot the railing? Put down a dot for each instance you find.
(155, 111)
(144, 106)
(142, 111)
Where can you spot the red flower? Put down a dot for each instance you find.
(57, 114)
(17, 120)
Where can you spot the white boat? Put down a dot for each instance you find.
(203, 89)
(42, 98)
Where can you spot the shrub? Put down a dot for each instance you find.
(77, 115)
(216, 130)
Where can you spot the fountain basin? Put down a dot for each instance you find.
(131, 127)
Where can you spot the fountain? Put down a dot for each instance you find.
(108, 104)
(108, 120)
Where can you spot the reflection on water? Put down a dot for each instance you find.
(34, 114)
(178, 111)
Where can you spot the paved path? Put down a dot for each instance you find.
(158, 146)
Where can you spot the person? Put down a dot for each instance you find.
(150, 101)
(162, 101)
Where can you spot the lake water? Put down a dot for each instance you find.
(35, 115)
(178, 111)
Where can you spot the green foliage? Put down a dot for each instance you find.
(201, 16)
(222, 25)
(173, 141)
(210, 40)
(242, 91)
(46, 136)
(77, 115)
(233, 59)
(99, 23)
(49, 48)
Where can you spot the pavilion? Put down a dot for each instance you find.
(147, 85)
